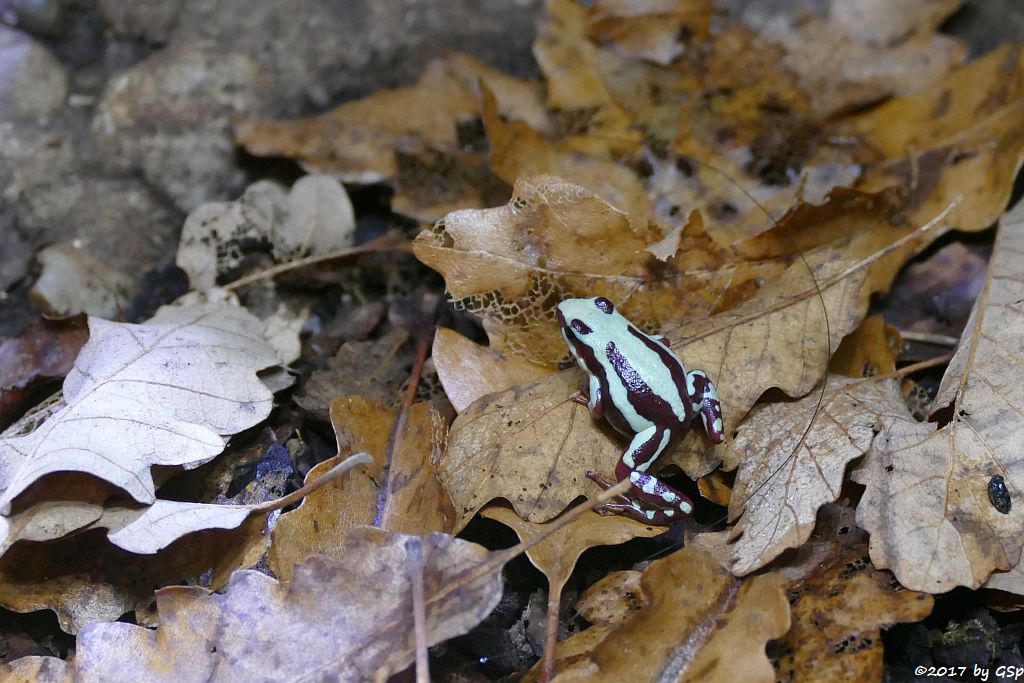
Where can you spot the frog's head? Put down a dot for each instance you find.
(587, 324)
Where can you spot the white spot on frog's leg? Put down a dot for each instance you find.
(650, 486)
(627, 460)
(668, 497)
(685, 507)
(718, 424)
(690, 389)
(634, 477)
(668, 513)
(650, 514)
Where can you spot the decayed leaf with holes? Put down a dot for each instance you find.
(555, 240)
(862, 51)
(351, 615)
(408, 137)
(927, 504)
(468, 370)
(164, 393)
(557, 554)
(963, 135)
(400, 492)
(532, 444)
(790, 466)
(838, 610)
(314, 217)
(701, 624)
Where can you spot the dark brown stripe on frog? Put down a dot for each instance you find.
(674, 365)
(644, 401)
(611, 413)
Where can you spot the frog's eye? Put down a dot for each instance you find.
(580, 327)
(604, 305)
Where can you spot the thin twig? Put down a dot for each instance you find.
(414, 561)
(928, 338)
(341, 468)
(551, 631)
(384, 243)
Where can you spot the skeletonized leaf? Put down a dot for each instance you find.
(927, 503)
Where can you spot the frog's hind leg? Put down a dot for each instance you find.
(650, 500)
(704, 401)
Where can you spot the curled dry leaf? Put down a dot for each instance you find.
(787, 470)
(315, 217)
(73, 281)
(468, 370)
(864, 50)
(346, 619)
(407, 137)
(557, 554)
(701, 624)
(926, 504)
(45, 350)
(164, 393)
(613, 598)
(400, 492)
(963, 135)
(838, 611)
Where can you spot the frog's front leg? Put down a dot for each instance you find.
(594, 400)
(704, 402)
(651, 500)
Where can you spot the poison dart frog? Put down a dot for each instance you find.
(643, 390)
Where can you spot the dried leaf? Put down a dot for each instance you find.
(73, 281)
(864, 50)
(315, 217)
(701, 624)
(963, 135)
(86, 580)
(790, 466)
(613, 598)
(409, 137)
(557, 554)
(530, 445)
(406, 496)
(927, 504)
(871, 349)
(556, 240)
(468, 371)
(352, 617)
(838, 612)
(136, 394)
